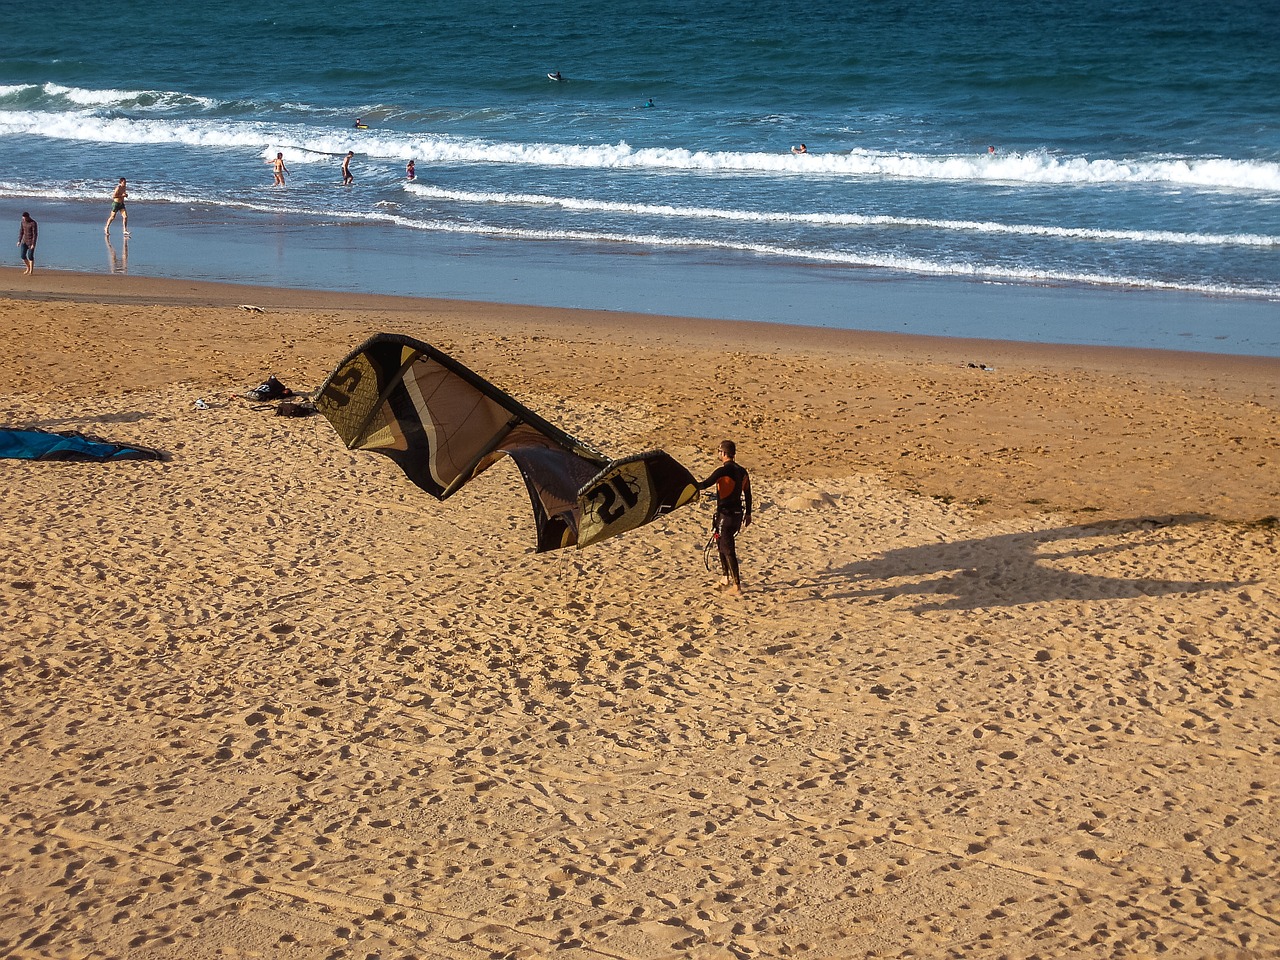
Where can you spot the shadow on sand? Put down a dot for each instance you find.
(131, 416)
(1009, 570)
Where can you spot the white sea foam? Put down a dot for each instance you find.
(89, 127)
(860, 258)
(847, 219)
(57, 95)
(309, 142)
(1032, 168)
(92, 98)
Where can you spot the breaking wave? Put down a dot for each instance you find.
(100, 125)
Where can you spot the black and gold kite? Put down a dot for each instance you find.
(444, 425)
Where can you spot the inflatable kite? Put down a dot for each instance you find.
(444, 425)
(68, 445)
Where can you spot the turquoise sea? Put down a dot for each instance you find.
(1136, 158)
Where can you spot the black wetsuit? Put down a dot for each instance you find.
(733, 505)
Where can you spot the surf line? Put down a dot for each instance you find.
(323, 153)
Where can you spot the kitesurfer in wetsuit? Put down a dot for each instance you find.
(733, 511)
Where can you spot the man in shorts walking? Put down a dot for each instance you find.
(117, 206)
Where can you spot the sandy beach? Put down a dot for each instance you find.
(1003, 682)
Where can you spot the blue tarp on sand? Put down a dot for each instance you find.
(43, 445)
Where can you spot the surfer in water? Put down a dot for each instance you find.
(360, 124)
(555, 76)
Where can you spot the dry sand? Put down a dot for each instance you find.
(1004, 681)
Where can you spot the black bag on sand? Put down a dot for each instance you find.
(270, 389)
(290, 408)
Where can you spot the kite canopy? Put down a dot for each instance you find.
(44, 445)
(444, 425)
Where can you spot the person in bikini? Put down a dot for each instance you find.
(280, 169)
(117, 206)
(733, 512)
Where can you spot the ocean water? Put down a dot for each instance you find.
(1136, 144)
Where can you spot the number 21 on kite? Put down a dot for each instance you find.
(610, 510)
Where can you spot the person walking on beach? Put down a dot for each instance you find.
(280, 169)
(117, 206)
(347, 179)
(28, 232)
(733, 512)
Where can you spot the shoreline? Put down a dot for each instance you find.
(227, 245)
(74, 285)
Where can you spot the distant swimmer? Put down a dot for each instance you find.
(347, 179)
(800, 149)
(409, 172)
(555, 76)
(360, 124)
(990, 151)
(280, 169)
(650, 103)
